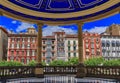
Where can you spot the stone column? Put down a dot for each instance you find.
(81, 67)
(4, 55)
(1, 14)
(80, 43)
(39, 44)
(39, 68)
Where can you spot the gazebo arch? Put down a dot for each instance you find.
(59, 12)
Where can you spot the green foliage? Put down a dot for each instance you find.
(73, 61)
(94, 61)
(111, 63)
(10, 63)
(59, 63)
(43, 63)
(34, 63)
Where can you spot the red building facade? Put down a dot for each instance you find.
(91, 45)
(22, 47)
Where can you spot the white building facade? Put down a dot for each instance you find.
(110, 47)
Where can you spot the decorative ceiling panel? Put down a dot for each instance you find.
(58, 6)
(59, 10)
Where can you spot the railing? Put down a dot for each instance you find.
(91, 71)
(16, 72)
(103, 71)
(60, 70)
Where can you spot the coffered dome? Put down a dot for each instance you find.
(59, 10)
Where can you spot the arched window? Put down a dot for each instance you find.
(108, 43)
(117, 43)
(113, 43)
(103, 43)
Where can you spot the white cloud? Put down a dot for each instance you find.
(14, 22)
(49, 29)
(24, 26)
(97, 29)
(2, 26)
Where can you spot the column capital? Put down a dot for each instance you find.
(80, 23)
(40, 24)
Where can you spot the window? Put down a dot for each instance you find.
(52, 42)
(113, 53)
(98, 53)
(33, 39)
(20, 45)
(18, 39)
(117, 43)
(74, 54)
(92, 45)
(69, 54)
(43, 47)
(17, 53)
(43, 53)
(109, 53)
(12, 45)
(28, 39)
(28, 53)
(12, 58)
(17, 45)
(28, 60)
(74, 42)
(92, 51)
(23, 46)
(33, 53)
(68, 42)
(74, 48)
(28, 46)
(103, 44)
(23, 39)
(107, 43)
(97, 40)
(87, 53)
(52, 47)
(22, 53)
(53, 54)
(22, 60)
(68, 48)
(86, 45)
(12, 53)
(92, 40)
(113, 44)
(12, 39)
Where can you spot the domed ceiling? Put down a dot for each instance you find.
(58, 10)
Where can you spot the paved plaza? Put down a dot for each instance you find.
(62, 79)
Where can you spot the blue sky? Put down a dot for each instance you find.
(98, 26)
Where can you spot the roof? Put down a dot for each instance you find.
(71, 36)
(22, 35)
(51, 37)
(102, 35)
(3, 29)
(29, 35)
(59, 10)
